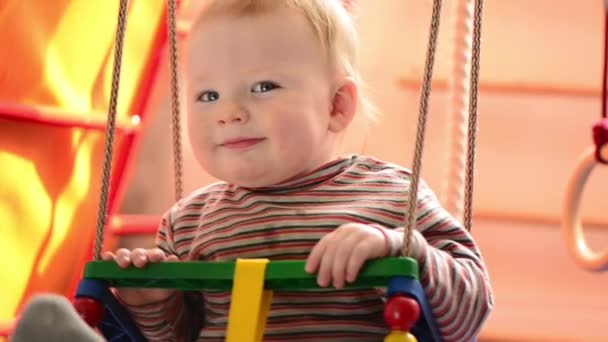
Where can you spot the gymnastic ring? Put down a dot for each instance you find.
(572, 226)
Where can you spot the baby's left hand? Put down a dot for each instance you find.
(339, 255)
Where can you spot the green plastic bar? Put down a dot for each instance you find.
(199, 275)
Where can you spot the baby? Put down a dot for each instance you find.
(272, 87)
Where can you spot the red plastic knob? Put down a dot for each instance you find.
(600, 138)
(401, 313)
(90, 310)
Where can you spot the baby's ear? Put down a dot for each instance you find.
(344, 105)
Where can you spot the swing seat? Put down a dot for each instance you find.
(401, 275)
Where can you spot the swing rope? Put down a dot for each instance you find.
(472, 134)
(177, 143)
(110, 128)
(410, 217)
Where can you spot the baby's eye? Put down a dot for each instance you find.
(208, 96)
(264, 86)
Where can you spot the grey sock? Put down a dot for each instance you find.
(52, 318)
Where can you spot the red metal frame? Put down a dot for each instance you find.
(56, 118)
(129, 225)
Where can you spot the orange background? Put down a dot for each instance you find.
(55, 73)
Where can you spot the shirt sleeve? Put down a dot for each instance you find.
(452, 270)
(179, 317)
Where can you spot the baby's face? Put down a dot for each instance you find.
(259, 97)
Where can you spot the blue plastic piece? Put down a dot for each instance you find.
(116, 325)
(425, 329)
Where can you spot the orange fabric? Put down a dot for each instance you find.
(59, 55)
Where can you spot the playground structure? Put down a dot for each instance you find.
(69, 133)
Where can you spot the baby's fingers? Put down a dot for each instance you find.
(316, 254)
(360, 254)
(139, 257)
(156, 255)
(172, 258)
(123, 257)
(108, 256)
(151, 256)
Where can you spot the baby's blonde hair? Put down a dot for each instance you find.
(329, 19)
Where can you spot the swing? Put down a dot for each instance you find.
(572, 227)
(252, 281)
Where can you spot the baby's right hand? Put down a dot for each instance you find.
(140, 257)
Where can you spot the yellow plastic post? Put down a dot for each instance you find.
(250, 302)
(400, 336)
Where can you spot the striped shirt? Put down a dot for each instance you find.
(222, 222)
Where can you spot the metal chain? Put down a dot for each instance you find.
(110, 128)
(410, 217)
(175, 106)
(468, 203)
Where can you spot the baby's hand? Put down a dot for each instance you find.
(339, 255)
(140, 257)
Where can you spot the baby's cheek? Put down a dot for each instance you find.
(202, 150)
(297, 136)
